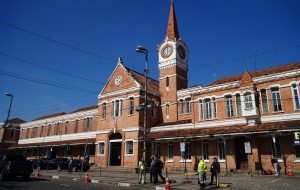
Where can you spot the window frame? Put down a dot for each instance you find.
(103, 114)
(248, 102)
(276, 99)
(129, 149)
(170, 153)
(188, 107)
(229, 104)
(295, 94)
(181, 106)
(131, 106)
(264, 101)
(99, 148)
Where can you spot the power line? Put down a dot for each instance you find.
(48, 83)
(56, 41)
(47, 68)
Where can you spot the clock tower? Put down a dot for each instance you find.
(173, 67)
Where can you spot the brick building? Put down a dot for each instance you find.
(258, 110)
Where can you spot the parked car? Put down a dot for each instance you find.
(54, 163)
(14, 165)
(39, 163)
(76, 165)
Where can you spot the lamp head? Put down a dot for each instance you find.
(141, 49)
(8, 94)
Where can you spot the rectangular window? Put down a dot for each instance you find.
(49, 130)
(276, 152)
(180, 106)
(76, 126)
(129, 147)
(238, 105)
(264, 101)
(295, 97)
(229, 108)
(170, 151)
(188, 105)
(12, 134)
(167, 82)
(66, 127)
(207, 109)
(41, 131)
(248, 101)
(221, 150)
(101, 148)
(205, 150)
(167, 109)
(131, 105)
(276, 100)
(214, 107)
(187, 153)
(200, 105)
(103, 110)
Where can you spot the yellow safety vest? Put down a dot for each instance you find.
(202, 166)
(142, 165)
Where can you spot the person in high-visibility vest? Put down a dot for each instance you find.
(142, 171)
(202, 167)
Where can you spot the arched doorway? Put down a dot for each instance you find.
(115, 149)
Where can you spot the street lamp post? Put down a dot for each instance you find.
(8, 114)
(143, 50)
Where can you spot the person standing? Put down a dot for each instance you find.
(70, 166)
(152, 162)
(276, 166)
(202, 167)
(142, 171)
(160, 166)
(215, 170)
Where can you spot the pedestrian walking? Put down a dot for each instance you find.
(215, 170)
(142, 171)
(155, 170)
(276, 166)
(160, 166)
(70, 166)
(202, 167)
(151, 165)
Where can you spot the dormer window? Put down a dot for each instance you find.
(248, 100)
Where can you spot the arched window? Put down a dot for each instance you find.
(167, 82)
(49, 130)
(214, 107)
(188, 105)
(167, 109)
(181, 106)
(104, 110)
(76, 126)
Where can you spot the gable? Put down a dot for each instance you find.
(120, 80)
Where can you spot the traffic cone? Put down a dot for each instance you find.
(86, 178)
(167, 187)
(37, 174)
(290, 172)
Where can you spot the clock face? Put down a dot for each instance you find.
(167, 51)
(118, 80)
(181, 52)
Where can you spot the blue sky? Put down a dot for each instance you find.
(216, 32)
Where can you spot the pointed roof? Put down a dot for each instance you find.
(172, 31)
(246, 79)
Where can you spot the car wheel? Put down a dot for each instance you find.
(2, 176)
(26, 177)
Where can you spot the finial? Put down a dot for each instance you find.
(120, 61)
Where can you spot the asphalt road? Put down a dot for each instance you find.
(54, 184)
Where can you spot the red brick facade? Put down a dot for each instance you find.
(260, 107)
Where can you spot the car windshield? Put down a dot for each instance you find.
(15, 158)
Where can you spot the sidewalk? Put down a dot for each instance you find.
(128, 178)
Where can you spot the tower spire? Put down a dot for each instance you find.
(172, 31)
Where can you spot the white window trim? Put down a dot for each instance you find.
(281, 102)
(262, 109)
(99, 148)
(294, 100)
(126, 141)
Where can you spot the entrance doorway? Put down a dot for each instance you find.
(115, 149)
(241, 159)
